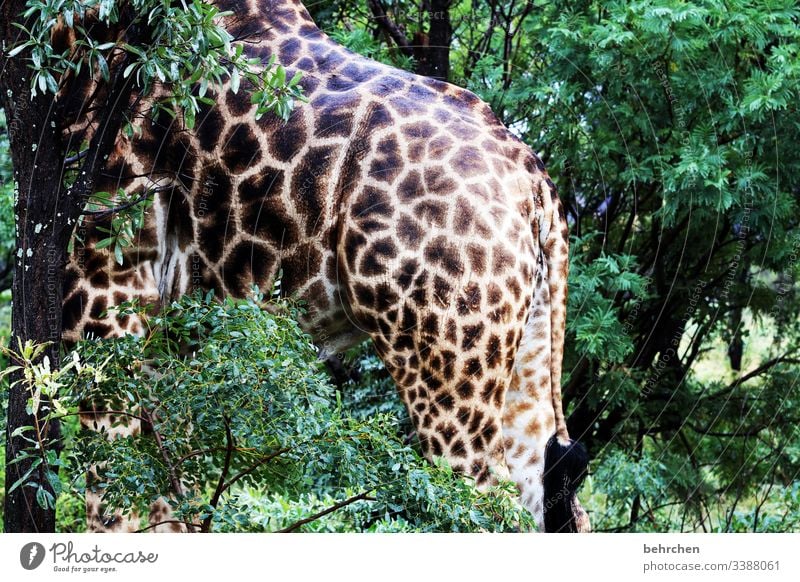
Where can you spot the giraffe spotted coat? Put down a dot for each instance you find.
(400, 209)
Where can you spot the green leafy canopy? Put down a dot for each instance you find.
(182, 45)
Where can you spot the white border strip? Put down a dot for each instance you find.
(406, 557)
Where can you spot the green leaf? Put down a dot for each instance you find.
(20, 430)
(235, 80)
(104, 243)
(19, 48)
(44, 498)
(24, 479)
(103, 66)
(129, 69)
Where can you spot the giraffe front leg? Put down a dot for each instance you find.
(84, 310)
(99, 516)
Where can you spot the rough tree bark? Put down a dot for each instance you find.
(41, 244)
(431, 50)
(436, 63)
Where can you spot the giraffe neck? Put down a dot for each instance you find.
(291, 11)
(281, 17)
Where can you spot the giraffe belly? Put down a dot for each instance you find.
(329, 324)
(326, 317)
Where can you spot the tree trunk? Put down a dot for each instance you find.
(37, 289)
(43, 224)
(434, 56)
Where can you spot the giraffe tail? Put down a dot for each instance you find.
(566, 461)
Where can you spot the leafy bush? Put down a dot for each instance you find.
(249, 435)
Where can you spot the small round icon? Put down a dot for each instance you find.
(31, 555)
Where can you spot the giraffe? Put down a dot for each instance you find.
(400, 209)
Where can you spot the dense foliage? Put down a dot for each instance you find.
(181, 45)
(246, 433)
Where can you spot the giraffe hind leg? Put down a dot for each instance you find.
(451, 369)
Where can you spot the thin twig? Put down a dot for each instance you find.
(225, 468)
(255, 466)
(76, 158)
(749, 376)
(106, 212)
(98, 412)
(324, 512)
(740, 434)
(173, 476)
(199, 452)
(166, 521)
(105, 137)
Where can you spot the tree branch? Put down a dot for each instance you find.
(199, 452)
(225, 468)
(166, 521)
(736, 434)
(483, 45)
(324, 512)
(76, 158)
(753, 374)
(254, 466)
(104, 138)
(389, 26)
(177, 487)
(98, 412)
(106, 212)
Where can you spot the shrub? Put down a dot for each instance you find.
(249, 435)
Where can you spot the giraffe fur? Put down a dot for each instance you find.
(399, 208)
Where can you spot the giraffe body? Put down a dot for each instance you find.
(399, 208)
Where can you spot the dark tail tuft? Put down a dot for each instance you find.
(564, 471)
